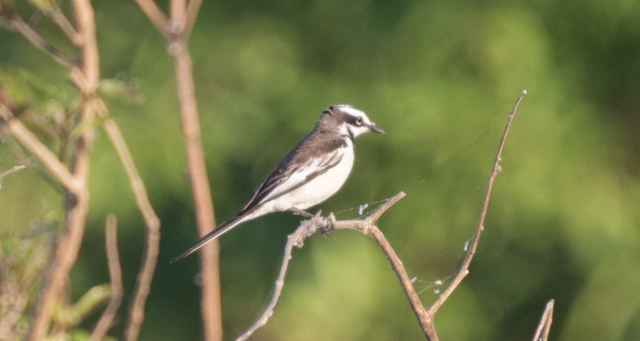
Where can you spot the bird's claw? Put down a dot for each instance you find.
(329, 225)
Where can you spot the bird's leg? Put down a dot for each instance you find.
(300, 212)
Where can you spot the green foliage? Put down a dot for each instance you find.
(440, 78)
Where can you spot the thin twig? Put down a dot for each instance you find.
(542, 332)
(153, 12)
(61, 20)
(309, 227)
(68, 242)
(115, 273)
(152, 222)
(12, 170)
(46, 156)
(464, 268)
(23, 28)
(192, 13)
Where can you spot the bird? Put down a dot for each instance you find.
(310, 173)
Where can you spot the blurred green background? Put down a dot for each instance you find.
(440, 77)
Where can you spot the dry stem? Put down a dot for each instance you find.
(176, 31)
(155, 15)
(368, 227)
(115, 273)
(152, 223)
(309, 227)
(46, 156)
(69, 241)
(23, 28)
(464, 268)
(542, 332)
(11, 171)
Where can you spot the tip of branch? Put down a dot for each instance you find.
(524, 92)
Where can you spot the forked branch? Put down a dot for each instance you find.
(368, 227)
(309, 227)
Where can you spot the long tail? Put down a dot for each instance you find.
(222, 228)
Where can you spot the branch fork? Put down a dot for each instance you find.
(367, 226)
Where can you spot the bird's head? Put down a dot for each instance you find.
(350, 120)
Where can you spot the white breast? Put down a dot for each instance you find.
(316, 191)
(322, 187)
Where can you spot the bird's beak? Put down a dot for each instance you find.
(375, 129)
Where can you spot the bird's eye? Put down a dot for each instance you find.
(359, 121)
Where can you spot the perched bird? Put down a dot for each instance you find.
(312, 172)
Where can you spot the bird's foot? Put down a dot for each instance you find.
(329, 225)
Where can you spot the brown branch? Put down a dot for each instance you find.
(152, 222)
(192, 13)
(23, 28)
(309, 227)
(61, 20)
(46, 156)
(542, 332)
(368, 227)
(11, 171)
(177, 32)
(205, 218)
(464, 268)
(115, 273)
(69, 241)
(153, 12)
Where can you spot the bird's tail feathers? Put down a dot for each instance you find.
(222, 228)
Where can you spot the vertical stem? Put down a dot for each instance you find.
(210, 302)
(69, 241)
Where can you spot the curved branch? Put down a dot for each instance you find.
(368, 227)
(464, 268)
(308, 228)
(115, 273)
(152, 222)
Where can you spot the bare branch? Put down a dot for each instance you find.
(61, 20)
(68, 242)
(115, 273)
(205, 217)
(375, 215)
(306, 229)
(542, 332)
(177, 31)
(155, 15)
(464, 268)
(33, 144)
(368, 227)
(192, 13)
(152, 222)
(11, 171)
(23, 28)
(309, 227)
